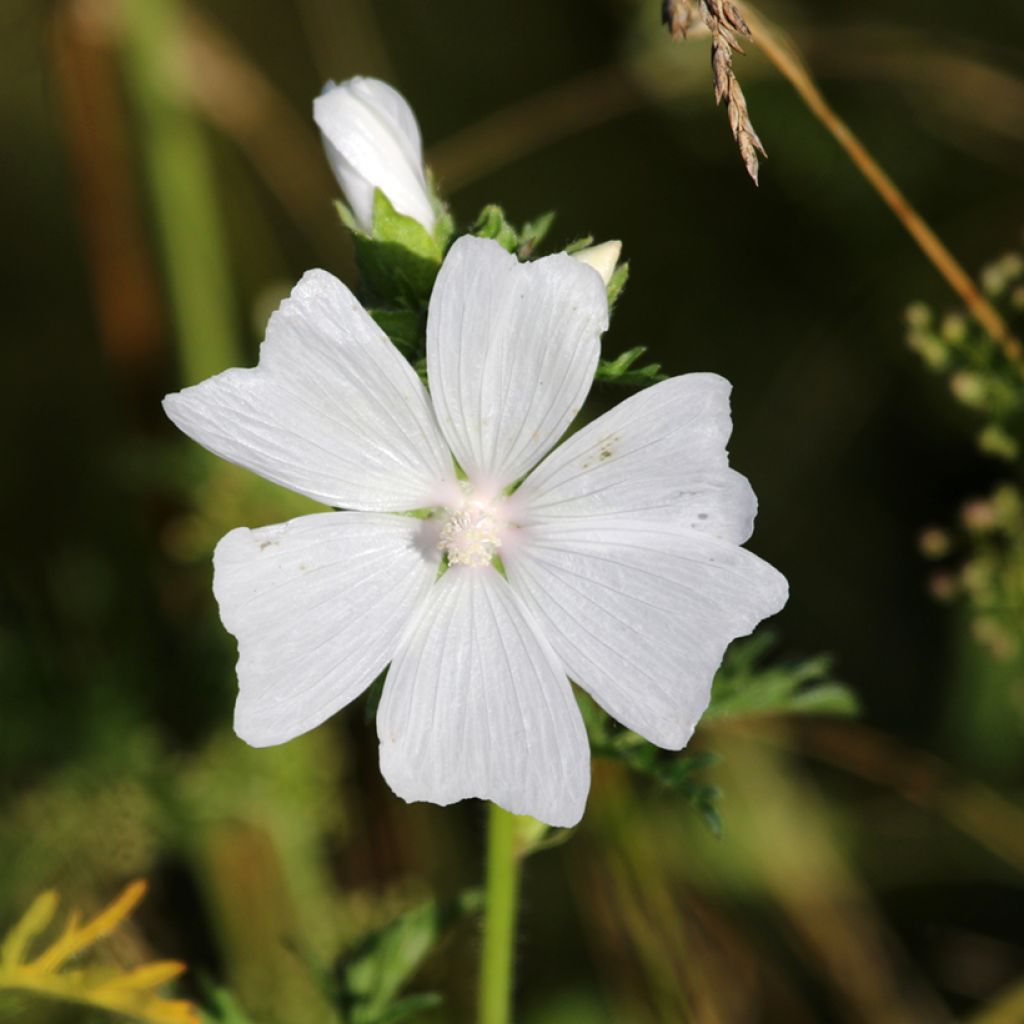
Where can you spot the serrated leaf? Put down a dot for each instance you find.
(372, 975)
(579, 243)
(744, 688)
(679, 773)
(533, 233)
(623, 370)
(492, 223)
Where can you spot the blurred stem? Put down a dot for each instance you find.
(502, 900)
(181, 184)
(782, 54)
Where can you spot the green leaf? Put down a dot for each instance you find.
(399, 261)
(373, 974)
(444, 228)
(680, 773)
(744, 688)
(533, 233)
(623, 371)
(411, 1006)
(444, 225)
(225, 1009)
(492, 223)
(579, 243)
(405, 327)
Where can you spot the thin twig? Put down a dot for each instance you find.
(782, 54)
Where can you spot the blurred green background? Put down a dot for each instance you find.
(163, 188)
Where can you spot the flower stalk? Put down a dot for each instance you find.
(500, 912)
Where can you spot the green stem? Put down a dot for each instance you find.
(502, 898)
(181, 183)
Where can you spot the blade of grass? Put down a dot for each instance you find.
(181, 182)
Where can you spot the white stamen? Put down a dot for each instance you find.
(471, 534)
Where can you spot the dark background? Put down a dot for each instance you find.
(831, 888)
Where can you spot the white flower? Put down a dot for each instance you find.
(372, 141)
(604, 258)
(621, 548)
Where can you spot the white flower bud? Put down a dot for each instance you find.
(604, 258)
(372, 141)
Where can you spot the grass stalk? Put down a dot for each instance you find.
(181, 184)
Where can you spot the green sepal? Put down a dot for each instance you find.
(399, 260)
(617, 283)
(492, 223)
(405, 327)
(622, 370)
(444, 224)
(347, 217)
(532, 233)
(580, 243)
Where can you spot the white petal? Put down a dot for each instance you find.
(604, 258)
(511, 353)
(476, 705)
(641, 613)
(659, 455)
(332, 411)
(373, 141)
(317, 605)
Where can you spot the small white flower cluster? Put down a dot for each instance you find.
(621, 565)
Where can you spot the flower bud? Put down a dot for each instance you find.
(604, 258)
(372, 141)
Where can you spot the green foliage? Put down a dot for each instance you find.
(368, 981)
(979, 373)
(405, 327)
(492, 223)
(623, 369)
(579, 244)
(225, 1009)
(743, 687)
(617, 284)
(399, 261)
(677, 772)
(533, 233)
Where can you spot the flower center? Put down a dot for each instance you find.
(471, 534)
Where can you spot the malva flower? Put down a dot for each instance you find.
(373, 142)
(616, 562)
